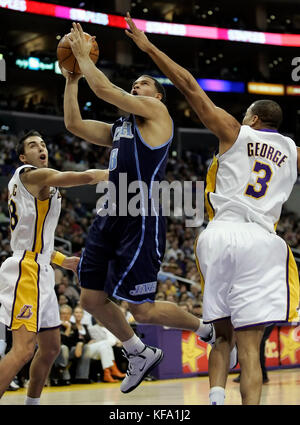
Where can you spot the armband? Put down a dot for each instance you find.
(58, 258)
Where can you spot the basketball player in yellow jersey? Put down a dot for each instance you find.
(29, 305)
(250, 275)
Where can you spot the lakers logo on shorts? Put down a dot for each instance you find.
(25, 312)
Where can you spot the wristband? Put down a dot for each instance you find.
(58, 258)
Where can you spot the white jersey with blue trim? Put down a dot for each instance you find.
(251, 181)
(33, 222)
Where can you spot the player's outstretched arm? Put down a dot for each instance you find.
(97, 175)
(221, 123)
(96, 132)
(49, 177)
(144, 106)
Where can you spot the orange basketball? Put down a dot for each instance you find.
(65, 55)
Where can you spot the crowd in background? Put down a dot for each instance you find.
(178, 280)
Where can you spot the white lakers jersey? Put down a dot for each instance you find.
(33, 222)
(251, 181)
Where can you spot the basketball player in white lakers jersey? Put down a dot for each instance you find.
(250, 275)
(29, 305)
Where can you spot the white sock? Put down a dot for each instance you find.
(204, 329)
(134, 345)
(32, 401)
(217, 395)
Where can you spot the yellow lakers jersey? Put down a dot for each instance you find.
(33, 222)
(251, 181)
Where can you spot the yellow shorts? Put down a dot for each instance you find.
(27, 294)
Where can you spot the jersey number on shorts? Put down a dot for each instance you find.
(13, 214)
(263, 182)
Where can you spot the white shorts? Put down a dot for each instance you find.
(250, 275)
(27, 294)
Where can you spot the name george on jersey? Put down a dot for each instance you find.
(266, 151)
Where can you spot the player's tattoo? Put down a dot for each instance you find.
(123, 92)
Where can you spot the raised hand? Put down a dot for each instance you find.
(80, 45)
(137, 35)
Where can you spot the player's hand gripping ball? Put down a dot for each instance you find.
(65, 55)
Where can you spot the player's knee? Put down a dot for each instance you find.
(249, 357)
(92, 303)
(53, 351)
(24, 353)
(50, 354)
(27, 355)
(140, 318)
(88, 303)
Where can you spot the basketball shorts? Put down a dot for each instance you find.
(27, 293)
(122, 257)
(249, 275)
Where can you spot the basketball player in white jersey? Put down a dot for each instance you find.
(250, 275)
(29, 305)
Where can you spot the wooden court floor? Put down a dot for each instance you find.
(282, 389)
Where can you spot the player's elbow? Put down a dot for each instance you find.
(75, 127)
(70, 125)
(185, 82)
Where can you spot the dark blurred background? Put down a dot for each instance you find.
(23, 35)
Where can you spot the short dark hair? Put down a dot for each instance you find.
(159, 87)
(20, 143)
(268, 111)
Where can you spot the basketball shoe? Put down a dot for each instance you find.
(139, 365)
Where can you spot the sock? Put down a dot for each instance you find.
(134, 345)
(217, 395)
(32, 401)
(204, 329)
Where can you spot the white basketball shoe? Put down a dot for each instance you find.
(139, 365)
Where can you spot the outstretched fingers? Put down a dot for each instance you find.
(129, 34)
(130, 22)
(72, 37)
(137, 35)
(79, 28)
(77, 31)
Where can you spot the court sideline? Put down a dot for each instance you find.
(282, 389)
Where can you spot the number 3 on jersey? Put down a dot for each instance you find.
(12, 208)
(262, 181)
